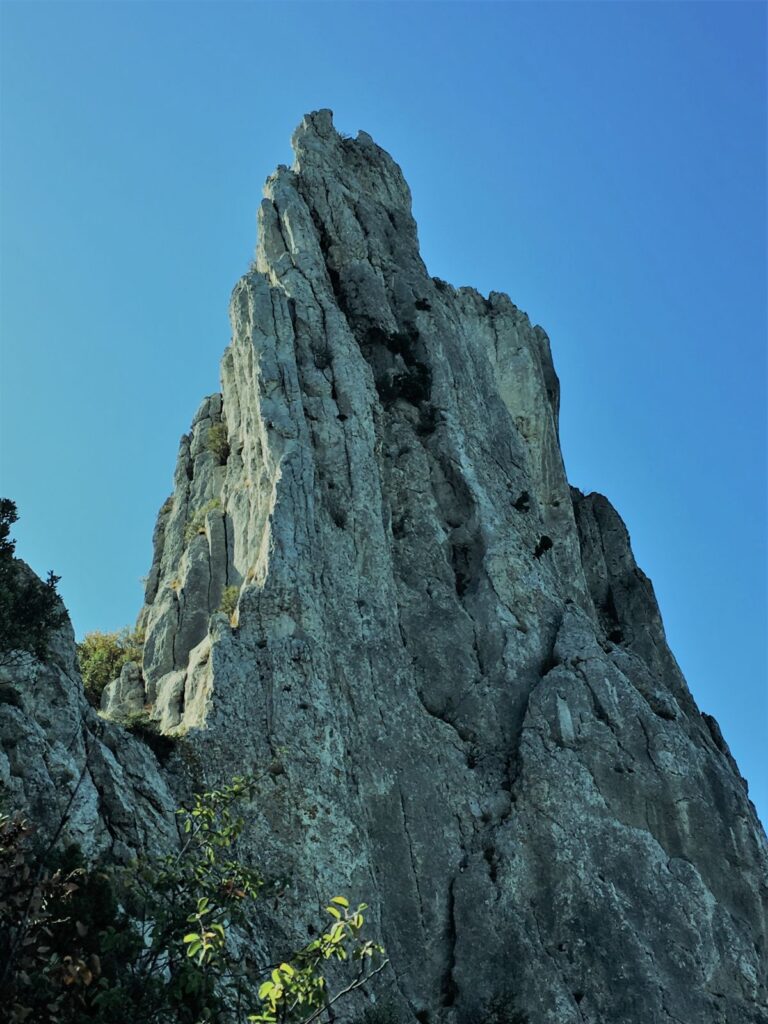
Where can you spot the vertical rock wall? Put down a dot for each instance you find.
(450, 654)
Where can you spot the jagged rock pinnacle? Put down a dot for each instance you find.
(483, 731)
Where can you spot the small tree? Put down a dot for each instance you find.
(218, 442)
(229, 598)
(101, 656)
(30, 609)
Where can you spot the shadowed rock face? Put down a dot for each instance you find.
(452, 654)
(75, 775)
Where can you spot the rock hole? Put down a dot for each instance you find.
(397, 371)
(550, 662)
(322, 359)
(325, 246)
(339, 517)
(609, 617)
(428, 420)
(333, 276)
(340, 416)
(578, 996)
(399, 343)
(523, 503)
(490, 859)
(423, 1016)
(460, 563)
(413, 384)
(545, 543)
(423, 304)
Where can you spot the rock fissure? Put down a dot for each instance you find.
(414, 869)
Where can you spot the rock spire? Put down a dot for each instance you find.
(449, 652)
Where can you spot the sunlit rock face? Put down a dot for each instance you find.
(449, 654)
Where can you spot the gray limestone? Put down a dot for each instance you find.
(71, 771)
(451, 654)
(483, 730)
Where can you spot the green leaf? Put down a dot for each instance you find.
(191, 937)
(341, 900)
(336, 913)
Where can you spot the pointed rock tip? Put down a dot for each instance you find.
(316, 122)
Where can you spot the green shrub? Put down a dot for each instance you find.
(141, 725)
(197, 523)
(229, 600)
(101, 656)
(218, 442)
(30, 610)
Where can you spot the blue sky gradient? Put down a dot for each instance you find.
(604, 164)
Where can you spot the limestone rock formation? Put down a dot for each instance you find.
(451, 655)
(74, 774)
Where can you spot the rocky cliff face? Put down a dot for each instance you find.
(76, 775)
(451, 653)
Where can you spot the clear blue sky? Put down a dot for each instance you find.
(603, 163)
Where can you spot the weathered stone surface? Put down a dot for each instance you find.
(452, 655)
(464, 673)
(71, 770)
(125, 695)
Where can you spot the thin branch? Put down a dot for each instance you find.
(357, 983)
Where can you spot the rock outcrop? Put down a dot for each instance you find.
(79, 778)
(450, 653)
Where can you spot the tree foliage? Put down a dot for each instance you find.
(217, 442)
(101, 656)
(165, 939)
(229, 600)
(30, 609)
